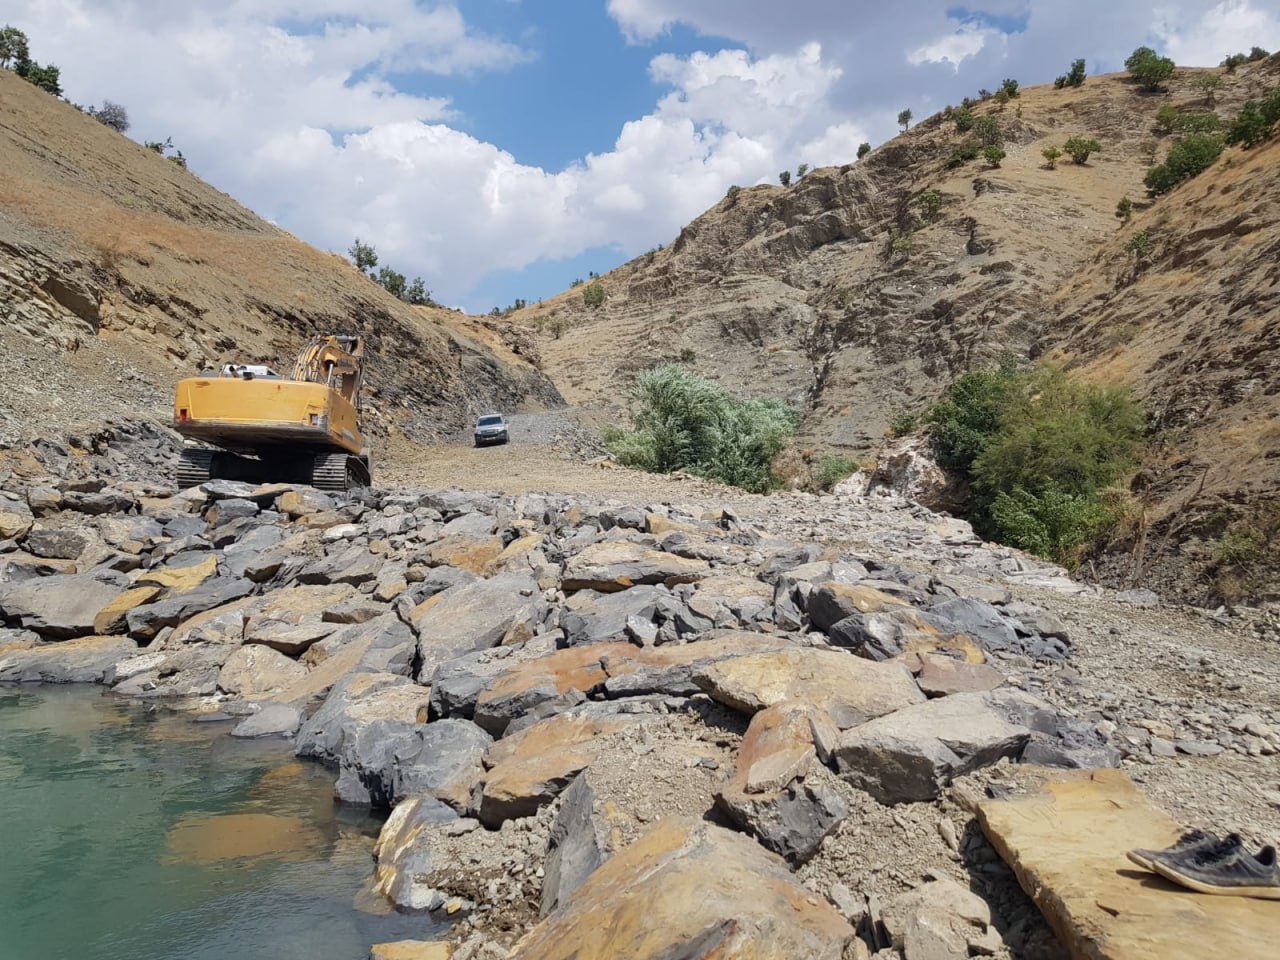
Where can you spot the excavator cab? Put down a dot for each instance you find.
(253, 424)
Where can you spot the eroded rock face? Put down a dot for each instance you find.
(689, 889)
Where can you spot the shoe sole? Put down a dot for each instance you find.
(1262, 893)
(1141, 861)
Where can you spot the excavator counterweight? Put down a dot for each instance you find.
(262, 427)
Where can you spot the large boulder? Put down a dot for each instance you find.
(688, 889)
(81, 660)
(255, 672)
(912, 754)
(779, 792)
(149, 619)
(590, 616)
(441, 760)
(508, 608)
(61, 607)
(849, 689)
(614, 565)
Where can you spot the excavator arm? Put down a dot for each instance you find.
(335, 361)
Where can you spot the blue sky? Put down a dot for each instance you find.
(502, 148)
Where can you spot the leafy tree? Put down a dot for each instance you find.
(994, 155)
(988, 132)
(1010, 87)
(1002, 98)
(1073, 77)
(1198, 121)
(1139, 245)
(392, 281)
(1255, 122)
(13, 48)
(1051, 155)
(904, 119)
(1189, 156)
(113, 115)
(1079, 148)
(362, 254)
(801, 171)
(1208, 84)
(593, 294)
(930, 204)
(1258, 53)
(863, 149)
(1166, 119)
(1124, 210)
(684, 422)
(417, 293)
(963, 118)
(984, 94)
(1050, 524)
(732, 192)
(784, 178)
(1235, 60)
(1149, 68)
(962, 153)
(47, 78)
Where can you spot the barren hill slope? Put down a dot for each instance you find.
(843, 295)
(121, 272)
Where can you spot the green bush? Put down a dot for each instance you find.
(1138, 245)
(904, 120)
(684, 422)
(831, 470)
(1198, 121)
(1124, 210)
(962, 153)
(1051, 524)
(863, 149)
(732, 192)
(994, 155)
(1037, 448)
(784, 178)
(1186, 159)
(1051, 155)
(963, 118)
(1010, 87)
(1073, 77)
(988, 132)
(1149, 68)
(1256, 121)
(593, 294)
(1166, 119)
(930, 204)
(1079, 148)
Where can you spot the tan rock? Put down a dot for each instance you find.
(658, 525)
(290, 620)
(532, 767)
(850, 689)
(474, 554)
(1067, 842)
(179, 579)
(941, 676)
(14, 525)
(224, 624)
(257, 672)
(689, 889)
(111, 618)
(513, 554)
(412, 950)
(321, 521)
(614, 565)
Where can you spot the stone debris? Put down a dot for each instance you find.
(550, 693)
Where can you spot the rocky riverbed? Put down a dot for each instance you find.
(705, 725)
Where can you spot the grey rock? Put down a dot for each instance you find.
(99, 503)
(83, 660)
(273, 720)
(61, 607)
(791, 822)
(55, 544)
(591, 617)
(981, 621)
(441, 760)
(912, 754)
(149, 619)
(354, 565)
(231, 508)
(477, 615)
(581, 840)
(456, 684)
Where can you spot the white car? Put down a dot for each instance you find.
(491, 428)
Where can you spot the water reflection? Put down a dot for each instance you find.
(130, 834)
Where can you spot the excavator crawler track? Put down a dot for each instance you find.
(195, 466)
(339, 472)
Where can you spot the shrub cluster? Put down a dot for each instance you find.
(365, 257)
(1188, 157)
(684, 422)
(1073, 77)
(1037, 449)
(1149, 68)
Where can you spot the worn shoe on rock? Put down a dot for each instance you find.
(1190, 841)
(1226, 869)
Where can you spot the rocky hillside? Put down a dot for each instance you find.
(121, 272)
(845, 295)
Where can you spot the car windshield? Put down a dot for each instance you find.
(489, 422)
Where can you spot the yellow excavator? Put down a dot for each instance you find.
(261, 427)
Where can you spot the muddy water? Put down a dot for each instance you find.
(127, 834)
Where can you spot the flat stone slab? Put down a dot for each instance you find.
(1067, 844)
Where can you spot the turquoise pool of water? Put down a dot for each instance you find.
(131, 833)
